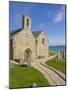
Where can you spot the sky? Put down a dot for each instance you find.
(49, 18)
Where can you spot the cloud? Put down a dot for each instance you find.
(59, 15)
(26, 9)
(56, 42)
(43, 26)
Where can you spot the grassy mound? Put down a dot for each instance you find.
(57, 64)
(21, 77)
(51, 53)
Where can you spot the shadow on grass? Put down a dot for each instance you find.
(24, 65)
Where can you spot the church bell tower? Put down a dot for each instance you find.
(26, 23)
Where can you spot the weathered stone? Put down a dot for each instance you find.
(26, 46)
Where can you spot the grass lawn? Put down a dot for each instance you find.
(51, 53)
(21, 77)
(59, 65)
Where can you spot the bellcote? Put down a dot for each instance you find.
(26, 24)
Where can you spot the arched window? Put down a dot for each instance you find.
(43, 41)
(27, 22)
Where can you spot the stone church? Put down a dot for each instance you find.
(27, 46)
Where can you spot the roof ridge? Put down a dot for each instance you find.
(36, 33)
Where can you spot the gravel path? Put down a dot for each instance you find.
(52, 77)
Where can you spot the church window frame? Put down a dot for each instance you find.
(27, 22)
(43, 41)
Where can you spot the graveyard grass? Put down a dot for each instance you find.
(57, 64)
(21, 77)
(51, 53)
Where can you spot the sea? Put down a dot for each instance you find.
(57, 48)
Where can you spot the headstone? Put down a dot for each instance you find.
(34, 85)
(29, 62)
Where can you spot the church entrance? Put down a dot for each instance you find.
(27, 56)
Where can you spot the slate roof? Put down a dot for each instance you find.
(36, 33)
(15, 31)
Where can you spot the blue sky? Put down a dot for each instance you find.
(49, 18)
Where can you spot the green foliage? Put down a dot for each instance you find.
(21, 77)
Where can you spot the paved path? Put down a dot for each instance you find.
(43, 62)
(51, 57)
(52, 77)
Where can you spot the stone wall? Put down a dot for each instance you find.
(24, 40)
(42, 48)
(21, 41)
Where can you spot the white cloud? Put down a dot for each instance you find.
(27, 9)
(43, 26)
(59, 15)
(55, 42)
